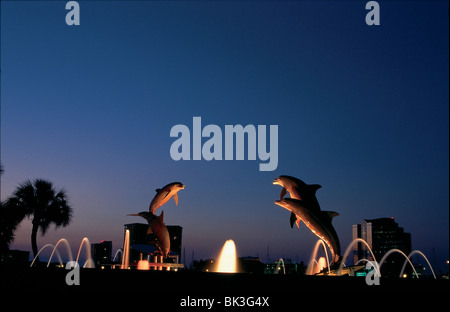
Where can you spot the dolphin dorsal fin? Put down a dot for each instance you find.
(330, 214)
(158, 190)
(314, 187)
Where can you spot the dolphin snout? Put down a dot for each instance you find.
(282, 204)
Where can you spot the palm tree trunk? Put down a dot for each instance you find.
(33, 238)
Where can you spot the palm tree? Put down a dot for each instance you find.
(43, 204)
(10, 217)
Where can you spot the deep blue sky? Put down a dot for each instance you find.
(363, 111)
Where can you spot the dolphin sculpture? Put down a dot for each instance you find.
(157, 226)
(298, 190)
(163, 195)
(319, 222)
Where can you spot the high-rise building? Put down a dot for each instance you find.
(381, 235)
(101, 252)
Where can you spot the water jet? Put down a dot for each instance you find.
(227, 262)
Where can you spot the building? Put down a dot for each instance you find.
(143, 244)
(101, 253)
(251, 265)
(381, 235)
(284, 267)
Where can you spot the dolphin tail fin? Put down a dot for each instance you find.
(283, 193)
(175, 197)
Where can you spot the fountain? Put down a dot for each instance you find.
(347, 251)
(227, 262)
(400, 252)
(69, 252)
(85, 241)
(116, 254)
(126, 251)
(279, 263)
(89, 262)
(423, 256)
(143, 265)
(322, 264)
(310, 268)
(44, 247)
(379, 264)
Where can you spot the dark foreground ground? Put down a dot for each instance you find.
(185, 286)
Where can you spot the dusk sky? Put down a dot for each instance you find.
(361, 110)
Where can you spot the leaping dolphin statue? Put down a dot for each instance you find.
(157, 226)
(319, 222)
(298, 190)
(163, 195)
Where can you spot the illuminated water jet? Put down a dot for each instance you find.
(318, 266)
(279, 263)
(116, 254)
(400, 252)
(347, 251)
(85, 242)
(143, 265)
(69, 252)
(310, 270)
(89, 262)
(377, 264)
(126, 251)
(227, 262)
(422, 254)
(40, 250)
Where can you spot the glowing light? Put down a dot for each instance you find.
(126, 251)
(312, 269)
(227, 260)
(143, 265)
(69, 252)
(321, 264)
(89, 262)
